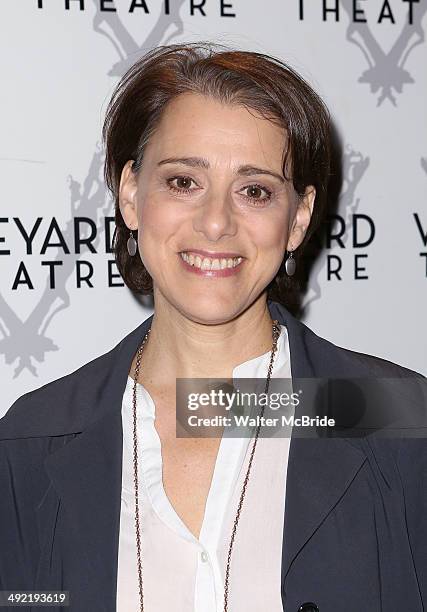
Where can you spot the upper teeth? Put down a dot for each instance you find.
(207, 263)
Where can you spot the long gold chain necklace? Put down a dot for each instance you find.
(276, 334)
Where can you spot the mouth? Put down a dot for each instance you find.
(217, 261)
(207, 264)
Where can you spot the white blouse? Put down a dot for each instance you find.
(186, 574)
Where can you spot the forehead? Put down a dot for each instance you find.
(194, 124)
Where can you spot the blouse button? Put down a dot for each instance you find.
(204, 556)
(308, 606)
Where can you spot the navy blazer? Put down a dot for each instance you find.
(355, 531)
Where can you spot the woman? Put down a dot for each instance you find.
(218, 161)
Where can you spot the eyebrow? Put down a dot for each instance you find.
(202, 162)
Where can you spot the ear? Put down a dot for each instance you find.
(302, 218)
(127, 196)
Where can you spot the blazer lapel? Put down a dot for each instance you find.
(319, 469)
(86, 473)
(319, 472)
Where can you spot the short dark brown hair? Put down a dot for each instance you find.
(260, 82)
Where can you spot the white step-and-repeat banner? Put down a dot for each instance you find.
(63, 303)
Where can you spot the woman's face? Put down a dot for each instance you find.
(211, 187)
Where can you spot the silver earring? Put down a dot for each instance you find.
(290, 264)
(132, 245)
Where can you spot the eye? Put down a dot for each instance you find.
(255, 190)
(182, 184)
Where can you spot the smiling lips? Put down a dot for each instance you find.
(210, 263)
(218, 266)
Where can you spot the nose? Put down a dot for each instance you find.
(215, 217)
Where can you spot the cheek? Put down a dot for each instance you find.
(159, 225)
(158, 219)
(270, 234)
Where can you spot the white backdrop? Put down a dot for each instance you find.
(60, 61)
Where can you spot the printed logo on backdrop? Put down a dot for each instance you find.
(386, 73)
(26, 340)
(349, 231)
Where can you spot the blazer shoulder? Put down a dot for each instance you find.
(72, 402)
(380, 365)
(55, 390)
(358, 363)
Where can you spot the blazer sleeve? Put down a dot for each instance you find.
(20, 489)
(412, 466)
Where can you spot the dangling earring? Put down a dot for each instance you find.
(290, 264)
(132, 245)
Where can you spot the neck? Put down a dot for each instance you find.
(179, 347)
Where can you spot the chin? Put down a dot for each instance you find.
(209, 309)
